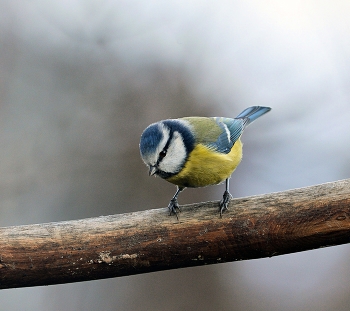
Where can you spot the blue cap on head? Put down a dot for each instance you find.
(150, 139)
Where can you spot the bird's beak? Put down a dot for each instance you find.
(152, 170)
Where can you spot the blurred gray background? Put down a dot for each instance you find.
(81, 79)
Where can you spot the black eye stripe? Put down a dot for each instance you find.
(163, 153)
(166, 147)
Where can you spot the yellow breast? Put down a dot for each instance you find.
(206, 167)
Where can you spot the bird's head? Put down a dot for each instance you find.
(165, 147)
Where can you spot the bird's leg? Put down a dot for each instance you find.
(225, 198)
(174, 205)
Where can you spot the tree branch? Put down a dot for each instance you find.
(126, 244)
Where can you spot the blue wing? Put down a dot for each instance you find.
(232, 129)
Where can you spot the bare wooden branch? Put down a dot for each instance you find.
(126, 244)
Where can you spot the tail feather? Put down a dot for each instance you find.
(252, 113)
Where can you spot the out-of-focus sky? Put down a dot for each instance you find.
(80, 80)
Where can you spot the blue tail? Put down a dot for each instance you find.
(252, 113)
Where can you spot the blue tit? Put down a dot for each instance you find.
(196, 151)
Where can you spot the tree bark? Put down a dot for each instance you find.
(147, 241)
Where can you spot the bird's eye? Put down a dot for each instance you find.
(162, 154)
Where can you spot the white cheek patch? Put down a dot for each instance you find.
(176, 155)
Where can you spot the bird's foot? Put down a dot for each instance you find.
(224, 202)
(173, 207)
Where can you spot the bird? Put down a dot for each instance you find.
(193, 152)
